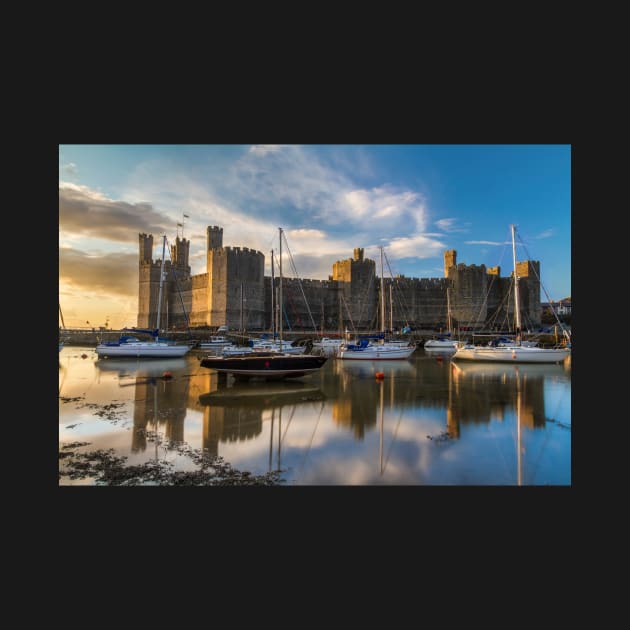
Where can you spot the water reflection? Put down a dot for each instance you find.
(426, 420)
(479, 393)
(236, 412)
(356, 400)
(146, 367)
(501, 392)
(159, 399)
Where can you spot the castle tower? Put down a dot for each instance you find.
(529, 291)
(179, 253)
(358, 289)
(214, 237)
(146, 247)
(235, 288)
(148, 283)
(450, 260)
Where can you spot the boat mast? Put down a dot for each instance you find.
(391, 309)
(242, 327)
(449, 323)
(516, 295)
(382, 296)
(159, 304)
(380, 433)
(519, 464)
(280, 289)
(273, 310)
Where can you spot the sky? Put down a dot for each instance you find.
(414, 201)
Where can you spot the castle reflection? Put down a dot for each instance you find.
(355, 398)
(236, 413)
(159, 400)
(480, 393)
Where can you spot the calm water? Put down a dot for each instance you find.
(430, 421)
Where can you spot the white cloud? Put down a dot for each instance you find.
(451, 225)
(82, 190)
(545, 234)
(415, 247)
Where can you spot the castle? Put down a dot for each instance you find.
(235, 292)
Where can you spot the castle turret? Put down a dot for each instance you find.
(179, 252)
(148, 283)
(214, 237)
(146, 247)
(450, 260)
(357, 283)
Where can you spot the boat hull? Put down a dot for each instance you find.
(440, 344)
(375, 353)
(139, 350)
(514, 354)
(267, 366)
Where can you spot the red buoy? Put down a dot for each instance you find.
(167, 375)
(380, 375)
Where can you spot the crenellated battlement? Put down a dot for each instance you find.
(314, 283)
(348, 297)
(237, 251)
(428, 282)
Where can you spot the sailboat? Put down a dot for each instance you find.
(269, 364)
(382, 349)
(444, 342)
(512, 352)
(128, 345)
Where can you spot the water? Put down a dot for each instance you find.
(429, 421)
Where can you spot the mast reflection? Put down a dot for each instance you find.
(236, 413)
(358, 404)
(480, 393)
(160, 402)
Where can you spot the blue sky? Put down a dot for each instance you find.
(414, 200)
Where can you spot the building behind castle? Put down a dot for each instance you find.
(235, 292)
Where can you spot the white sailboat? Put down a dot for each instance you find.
(366, 350)
(328, 346)
(131, 346)
(512, 352)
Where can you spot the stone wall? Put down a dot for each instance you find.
(235, 292)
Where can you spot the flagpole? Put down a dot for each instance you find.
(184, 216)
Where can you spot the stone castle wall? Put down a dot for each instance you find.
(235, 292)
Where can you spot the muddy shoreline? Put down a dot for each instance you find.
(104, 468)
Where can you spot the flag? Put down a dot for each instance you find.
(179, 225)
(186, 216)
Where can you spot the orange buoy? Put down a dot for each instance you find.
(167, 375)
(380, 375)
